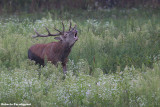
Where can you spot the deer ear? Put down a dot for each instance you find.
(58, 38)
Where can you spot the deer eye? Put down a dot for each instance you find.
(66, 35)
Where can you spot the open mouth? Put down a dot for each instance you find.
(75, 35)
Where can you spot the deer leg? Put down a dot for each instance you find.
(64, 68)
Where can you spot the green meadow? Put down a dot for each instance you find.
(115, 62)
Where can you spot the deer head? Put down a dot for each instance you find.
(67, 37)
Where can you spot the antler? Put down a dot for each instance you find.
(70, 25)
(49, 34)
(59, 30)
(63, 26)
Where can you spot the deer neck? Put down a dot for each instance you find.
(65, 50)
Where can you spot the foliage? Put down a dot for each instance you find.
(115, 62)
(131, 87)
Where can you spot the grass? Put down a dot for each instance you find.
(115, 62)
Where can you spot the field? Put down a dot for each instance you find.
(115, 62)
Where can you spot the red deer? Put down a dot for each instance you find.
(54, 51)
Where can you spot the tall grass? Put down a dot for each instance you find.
(115, 62)
(124, 39)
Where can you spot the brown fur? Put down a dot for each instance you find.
(54, 52)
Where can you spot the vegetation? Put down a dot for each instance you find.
(115, 62)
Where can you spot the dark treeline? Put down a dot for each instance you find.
(40, 5)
